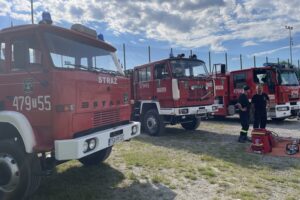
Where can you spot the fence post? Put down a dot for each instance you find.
(209, 61)
(226, 61)
(149, 54)
(254, 60)
(124, 56)
(241, 61)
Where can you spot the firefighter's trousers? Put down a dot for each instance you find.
(260, 119)
(244, 118)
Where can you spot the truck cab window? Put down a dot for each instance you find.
(73, 54)
(260, 76)
(239, 80)
(2, 56)
(25, 53)
(142, 75)
(161, 71)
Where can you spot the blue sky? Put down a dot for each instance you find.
(250, 27)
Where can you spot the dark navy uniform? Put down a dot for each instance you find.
(244, 117)
(260, 110)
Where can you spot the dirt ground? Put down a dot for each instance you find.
(184, 165)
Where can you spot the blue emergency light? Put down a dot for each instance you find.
(46, 18)
(101, 37)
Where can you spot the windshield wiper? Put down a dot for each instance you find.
(108, 71)
(81, 67)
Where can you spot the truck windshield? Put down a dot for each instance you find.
(288, 78)
(71, 54)
(188, 68)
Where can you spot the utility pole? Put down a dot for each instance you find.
(290, 28)
(32, 21)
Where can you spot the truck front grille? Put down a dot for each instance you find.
(106, 117)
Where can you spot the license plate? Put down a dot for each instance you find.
(115, 140)
(201, 111)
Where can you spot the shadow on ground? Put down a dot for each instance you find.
(290, 124)
(219, 146)
(97, 183)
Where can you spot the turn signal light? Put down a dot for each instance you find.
(65, 108)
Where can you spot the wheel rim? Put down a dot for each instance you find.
(10, 171)
(151, 124)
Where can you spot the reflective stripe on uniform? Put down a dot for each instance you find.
(244, 131)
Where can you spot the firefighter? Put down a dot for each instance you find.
(244, 108)
(260, 102)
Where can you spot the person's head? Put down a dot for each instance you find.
(246, 89)
(259, 89)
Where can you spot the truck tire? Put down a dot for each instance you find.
(96, 158)
(16, 168)
(192, 125)
(153, 123)
(36, 174)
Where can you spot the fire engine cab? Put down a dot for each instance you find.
(279, 82)
(171, 91)
(63, 96)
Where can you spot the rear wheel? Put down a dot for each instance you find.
(17, 171)
(153, 123)
(191, 125)
(96, 158)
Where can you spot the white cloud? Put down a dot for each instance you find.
(249, 43)
(269, 52)
(190, 24)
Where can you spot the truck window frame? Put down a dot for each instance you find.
(3, 56)
(239, 83)
(162, 65)
(147, 76)
(32, 66)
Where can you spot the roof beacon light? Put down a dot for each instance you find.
(101, 37)
(84, 30)
(171, 53)
(46, 18)
(181, 55)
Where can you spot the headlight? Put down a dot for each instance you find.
(92, 144)
(283, 108)
(134, 130)
(85, 146)
(184, 111)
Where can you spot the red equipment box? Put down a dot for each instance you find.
(262, 141)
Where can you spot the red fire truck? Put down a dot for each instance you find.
(279, 82)
(171, 91)
(63, 96)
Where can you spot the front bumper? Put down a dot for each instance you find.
(195, 110)
(295, 109)
(74, 148)
(280, 111)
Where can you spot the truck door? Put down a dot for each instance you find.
(237, 83)
(144, 83)
(163, 85)
(27, 89)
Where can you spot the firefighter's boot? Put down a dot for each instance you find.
(242, 138)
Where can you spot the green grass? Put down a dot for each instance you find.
(166, 166)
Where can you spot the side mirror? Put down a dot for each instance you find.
(21, 54)
(223, 69)
(164, 74)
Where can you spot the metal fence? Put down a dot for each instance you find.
(132, 55)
